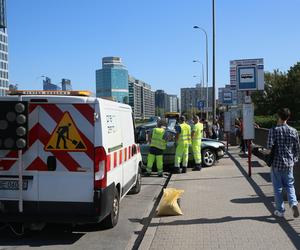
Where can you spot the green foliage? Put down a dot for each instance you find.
(265, 121)
(282, 90)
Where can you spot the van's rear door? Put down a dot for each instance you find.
(66, 157)
(9, 174)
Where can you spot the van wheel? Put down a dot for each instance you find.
(112, 219)
(138, 184)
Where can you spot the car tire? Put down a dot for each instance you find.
(112, 219)
(208, 157)
(138, 184)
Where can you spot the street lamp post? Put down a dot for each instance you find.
(206, 55)
(214, 62)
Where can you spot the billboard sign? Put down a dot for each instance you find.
(247, 74)
(227, 97)
(200, 104)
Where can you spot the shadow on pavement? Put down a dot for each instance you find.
(50, 235)
(250, 200)
(269, 219)
(288, 229)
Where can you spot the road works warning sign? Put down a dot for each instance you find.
(65, 136)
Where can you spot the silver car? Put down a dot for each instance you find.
(211, 150)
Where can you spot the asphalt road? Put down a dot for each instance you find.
(134, 210)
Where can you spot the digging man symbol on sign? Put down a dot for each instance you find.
(63, 133)
(66, 133)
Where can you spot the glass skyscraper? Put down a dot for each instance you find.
(112, 80)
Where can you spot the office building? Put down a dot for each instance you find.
(4, 84)
(173, 103)
(112, 80)
(165, 102)
(191, 96)
(47, 85)
(141, 98)
(66, 84)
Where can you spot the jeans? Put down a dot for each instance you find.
(283, 179)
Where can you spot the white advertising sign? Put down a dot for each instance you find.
(248, 120)
(227, 121)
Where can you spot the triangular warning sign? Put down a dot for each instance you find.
(65, 137)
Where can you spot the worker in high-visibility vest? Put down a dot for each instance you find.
(183, 139)
(157, 146)
(197, 132)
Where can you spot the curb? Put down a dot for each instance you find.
(137, 239)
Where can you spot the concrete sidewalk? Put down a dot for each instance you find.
(225, 209)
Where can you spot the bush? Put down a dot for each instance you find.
(266, 121)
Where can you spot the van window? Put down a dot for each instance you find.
(114, 132)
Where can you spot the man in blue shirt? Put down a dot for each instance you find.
(284, 140)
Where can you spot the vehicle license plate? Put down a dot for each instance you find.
(12, 184)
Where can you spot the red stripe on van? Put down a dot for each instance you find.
(108, 157)
(37, 164)
(115, 159)
(120, 157)
(129, 152)
(125, 154)
(87, 111)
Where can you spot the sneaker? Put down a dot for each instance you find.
(278, 214)
(160, 174)
(147, 174)
(295, 211)
(183, 170)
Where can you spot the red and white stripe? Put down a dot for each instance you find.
(43, 119)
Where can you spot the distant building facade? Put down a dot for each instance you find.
(66, 84)
(4, 84)
(112, 80)
(173, 103)
(191, 96)
(48, 85)
(165, 102)
(141, 98)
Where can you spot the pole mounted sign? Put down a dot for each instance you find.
(227, 97)
(200, 104)
(247, 74)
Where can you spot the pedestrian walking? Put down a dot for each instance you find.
(183, 139)
(197, 132)
(283, 140)
(215, 130)
(157, 146)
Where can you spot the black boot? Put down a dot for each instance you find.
(197, 167)
(183, 170)
(176, 170)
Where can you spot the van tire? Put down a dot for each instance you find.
(138, 184)
(112, 219)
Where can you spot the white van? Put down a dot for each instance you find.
(75, 161)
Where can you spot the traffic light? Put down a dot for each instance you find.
(13, 125)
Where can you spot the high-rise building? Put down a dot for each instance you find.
(141, 98)
(3, 50)
(47, 85)
(112, 79)
(191, 96)
(161, 99)
(66, 84)
(173, 103)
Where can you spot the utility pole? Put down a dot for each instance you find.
(213, 66)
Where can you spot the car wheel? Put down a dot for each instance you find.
(112, 219)
(208, 157)
(137, 187)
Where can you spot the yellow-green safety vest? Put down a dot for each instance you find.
(157, 140)
(185, 134)
(198, 129)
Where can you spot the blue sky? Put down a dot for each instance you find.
(155, 39)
